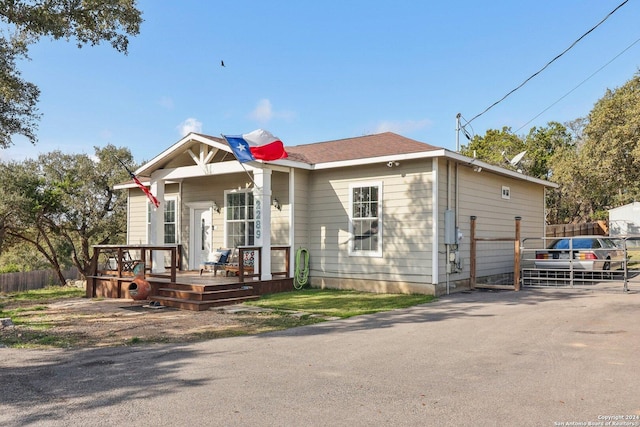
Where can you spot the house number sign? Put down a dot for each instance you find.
(258, 217)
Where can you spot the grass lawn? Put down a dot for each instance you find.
(37, 297)
(38, 325)
(337, 303)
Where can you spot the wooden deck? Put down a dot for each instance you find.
(191, 291)
(188, 290)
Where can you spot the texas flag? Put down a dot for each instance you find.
(256, 145)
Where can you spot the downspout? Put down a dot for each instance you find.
(544, 212)
(457, 211)
(448, 247)
(435, 227)
(449, 244)
(179, 217)
(457, 178)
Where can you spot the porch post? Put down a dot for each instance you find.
(262, 200)
(516, 260)
(156, 232)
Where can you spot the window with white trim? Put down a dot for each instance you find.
(170, 221)
(149, 208)
(240, 218)
(506, 192)
(365, 222)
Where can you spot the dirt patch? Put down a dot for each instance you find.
(79, 322)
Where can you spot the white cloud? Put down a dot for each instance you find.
(166, 102)
(264, 112)
(190, 125)
(106, 134)
(401, 127)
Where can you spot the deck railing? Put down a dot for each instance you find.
(125, 261)
(122, 262)
(254, 271)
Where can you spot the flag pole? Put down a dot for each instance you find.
(250, 177)
(123, 165)
(144, 189)
(245, 169)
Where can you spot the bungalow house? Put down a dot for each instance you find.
(382, 212)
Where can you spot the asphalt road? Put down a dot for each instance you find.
(529, 358)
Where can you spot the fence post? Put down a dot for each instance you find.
(472, 262)
(516, 260)
(90, 287)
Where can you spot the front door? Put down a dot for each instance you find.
(202, 236)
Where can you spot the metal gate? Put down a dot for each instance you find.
(580, 261)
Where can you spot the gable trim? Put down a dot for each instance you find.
(151, 165)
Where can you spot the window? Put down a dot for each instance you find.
(365, 221)
(240, 220)
(170, 223)
(506, 192)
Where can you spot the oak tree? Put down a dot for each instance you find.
(62, 204)
(24, 22)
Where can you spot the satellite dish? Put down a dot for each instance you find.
(517, 159)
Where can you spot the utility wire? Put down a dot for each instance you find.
(580, 84)
(550, 62)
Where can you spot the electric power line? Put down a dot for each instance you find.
(550, 62)
(580, 84)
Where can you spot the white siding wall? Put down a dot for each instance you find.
(321, 218)
(137, 218)
(481, 196)
(280, 218)
(406, 224)
(207, 189)
(301, 216)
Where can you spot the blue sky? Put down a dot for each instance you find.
(319, 71)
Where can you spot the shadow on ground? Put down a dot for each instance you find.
(465, 304)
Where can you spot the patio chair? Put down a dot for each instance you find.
(128, 263)
(109, 260)
(218, 261)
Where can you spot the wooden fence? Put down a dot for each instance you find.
(598, 228)
(26, 281)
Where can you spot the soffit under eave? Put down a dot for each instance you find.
(479, 166)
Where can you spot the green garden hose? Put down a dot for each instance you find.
(302, 268)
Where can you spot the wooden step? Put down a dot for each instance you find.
(206, 295)
(201, 296)
(200, 305)
(197, 287)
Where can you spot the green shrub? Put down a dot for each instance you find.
(9, 268)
